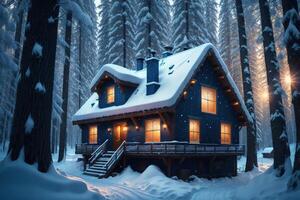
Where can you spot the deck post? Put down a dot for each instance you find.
(168, 163)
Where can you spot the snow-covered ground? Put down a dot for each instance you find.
(261, 183)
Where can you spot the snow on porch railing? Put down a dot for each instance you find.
(183, 148)
(98, 152)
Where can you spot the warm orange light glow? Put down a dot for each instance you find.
(265, 96)
(136, 127)
(236, 103)
(184, 93)
(125, 128)
(193, 81)
(164, 126)
(288, 79)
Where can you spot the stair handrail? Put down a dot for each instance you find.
(115, 157)
(99, 151)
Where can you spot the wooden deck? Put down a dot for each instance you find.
(170, 149)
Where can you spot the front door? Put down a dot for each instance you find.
(119, 134)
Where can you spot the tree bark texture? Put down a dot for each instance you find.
(32, 116)
(247, 85)
(65, 94)
(278, 125)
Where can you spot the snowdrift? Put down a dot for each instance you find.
(19, 180)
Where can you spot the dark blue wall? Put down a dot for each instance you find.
(122, 93)
(190, 107)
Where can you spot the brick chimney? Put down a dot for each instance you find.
(152, 74)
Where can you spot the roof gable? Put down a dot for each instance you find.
(175, 72)
(117, 73)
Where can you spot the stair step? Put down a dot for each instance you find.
(98, 168)
(103, 159)
(95, 170)
(110, 152)
(106, 155)
(93, 174)
(98, 165)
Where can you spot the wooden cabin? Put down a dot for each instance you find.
(182, 113)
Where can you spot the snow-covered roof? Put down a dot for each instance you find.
(119, 72)
(175, 72)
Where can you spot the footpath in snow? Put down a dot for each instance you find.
(66, 181)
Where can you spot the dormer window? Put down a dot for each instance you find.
(208, 100)
(110, 94)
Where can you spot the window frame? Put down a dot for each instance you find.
(224, 133)
(152, 131)
(94, 134)
(208, 100)
(108, 95)
(194, 132)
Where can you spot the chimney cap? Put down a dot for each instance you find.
(140, 58)
(152, 52)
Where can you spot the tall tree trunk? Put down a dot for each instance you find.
(247, 85)
(80, 66)
(65, 94)
(18, 36)
(32, 116)
(278, 126)
(292, 20)
(124, 35)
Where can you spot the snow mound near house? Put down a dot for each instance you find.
(154, 182)
(267, 186)
(19, 180)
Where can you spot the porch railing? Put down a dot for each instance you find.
(97, 153)
(183, 148)
(115, 157)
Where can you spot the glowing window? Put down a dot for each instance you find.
(194, 131)
(93, 135)
(110, 94)
(225, 133)
(152, 128)
(208, 100)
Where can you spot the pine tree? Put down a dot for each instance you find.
(278, 126)
(291, 22)
(65, 94)
(211, 21)
(224, 42)
(121, 33)
(32, 115)
(258, 73)
(103, 37)
(247, 86)
(188, 24)
(153, 17)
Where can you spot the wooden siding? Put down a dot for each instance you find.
(190, 107)
(122, 93)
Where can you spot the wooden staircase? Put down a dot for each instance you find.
(102, 162)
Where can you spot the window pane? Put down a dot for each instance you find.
(110, 94)
(208, 100)
(225, 133)
(93, 135)
(152, 133)
(194, 132)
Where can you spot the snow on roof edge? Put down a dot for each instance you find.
(119, 72)
(106, 112)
